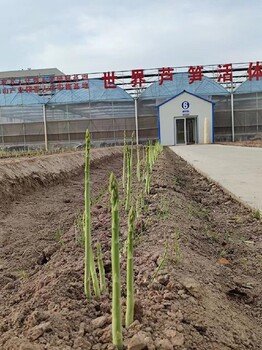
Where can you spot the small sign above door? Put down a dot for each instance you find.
(185, 107)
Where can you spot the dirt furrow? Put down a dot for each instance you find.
(30, 224)
(197, 259)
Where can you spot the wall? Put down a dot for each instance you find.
(72, 132)
(173, 108)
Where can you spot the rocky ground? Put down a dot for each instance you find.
(198, 265)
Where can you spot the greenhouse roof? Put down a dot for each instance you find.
(249, 86)
(24, 98)
(180, 82)
(95, 92)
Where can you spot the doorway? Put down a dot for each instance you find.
(185, 130)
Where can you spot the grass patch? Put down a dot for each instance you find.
(79, 226)
(257, 214)
(59, 234)
(196, 211)
(163, 209)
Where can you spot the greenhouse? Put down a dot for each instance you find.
(29, 119)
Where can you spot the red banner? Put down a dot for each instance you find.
(49, 84)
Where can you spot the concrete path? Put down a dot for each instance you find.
(237, 169)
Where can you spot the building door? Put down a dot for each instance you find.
(180, 131)
(190, 131)
(185, 131)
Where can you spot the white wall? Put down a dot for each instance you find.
(173, 108)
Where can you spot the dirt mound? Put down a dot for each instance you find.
(21, 175)
(197, 266)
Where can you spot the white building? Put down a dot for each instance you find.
(186, 119)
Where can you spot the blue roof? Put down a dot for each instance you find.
(180, 82)
(95, 92)
(249, 86)
(24, 98)
(190, 93)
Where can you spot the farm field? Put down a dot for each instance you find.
(197, 260)
(249, 143)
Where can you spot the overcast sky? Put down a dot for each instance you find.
(78, 36)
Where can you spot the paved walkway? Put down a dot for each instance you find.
(237, 169)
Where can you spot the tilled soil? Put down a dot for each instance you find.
(198, 266)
